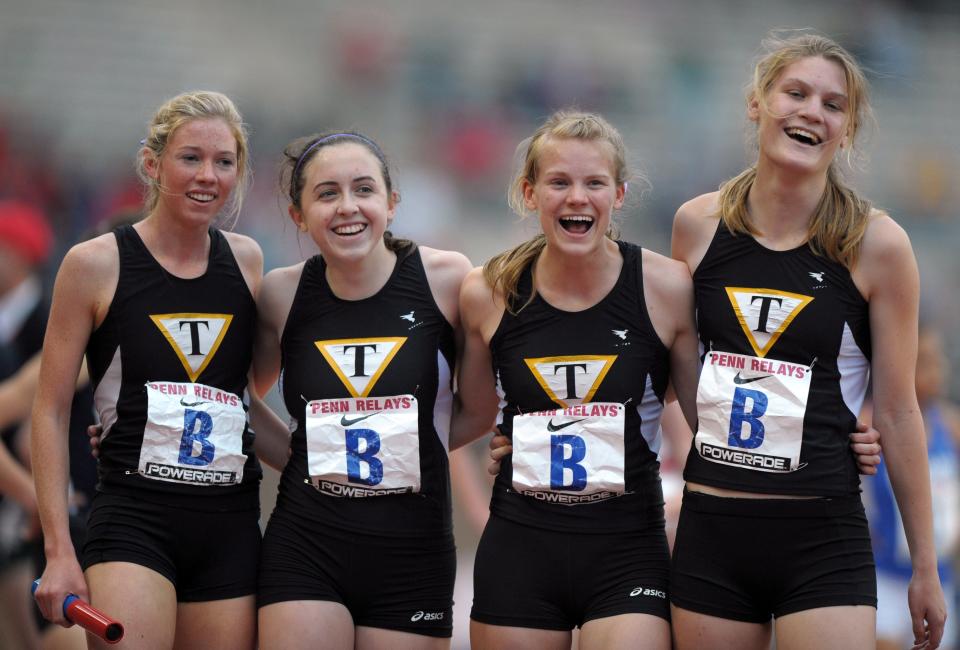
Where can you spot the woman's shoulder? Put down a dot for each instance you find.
(277, 291)
(96, 258)
(665, 276)
(245, 249)
(283, 276)
(886, 263)
(700, 208)
(884, 240)
(693, 228)
(436, 262)
(476, 294)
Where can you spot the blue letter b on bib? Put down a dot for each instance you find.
(740, 416)
(197, 427)
(560, 461)
(356, 459)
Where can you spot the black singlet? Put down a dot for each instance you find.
(185, 344)
(355, 360)
(764, 316)
(582, 363)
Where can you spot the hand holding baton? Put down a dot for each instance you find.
(88, 617)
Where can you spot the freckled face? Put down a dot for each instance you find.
(807, 117)
(575, 193)
(345, 205)
(197, 172)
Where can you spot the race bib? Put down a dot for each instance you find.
(751, 411)
(193, 435)
(363, 447)
(570, 456)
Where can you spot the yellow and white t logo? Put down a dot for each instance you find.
(765, 314)
(571, 380)
(194, 337)
(360, 362)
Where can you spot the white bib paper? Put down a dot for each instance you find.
(751, 411)
(193, 435)
(360, 447)
(570, 456)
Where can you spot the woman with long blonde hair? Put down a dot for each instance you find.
(803, 291)
(581, 333)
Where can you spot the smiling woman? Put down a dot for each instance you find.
(359, 551)
(581, 333)
(163, 309)
(800, 279)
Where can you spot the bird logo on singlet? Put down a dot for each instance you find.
(195, 338)
(359, 363)
(765, 314)
(572, 379)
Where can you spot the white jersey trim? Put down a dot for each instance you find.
(443, 403)
(854, 369)
(650, 409)
(107, 395)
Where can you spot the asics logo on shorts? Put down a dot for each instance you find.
(746, 380)
(426, 616)
(556, 427)
(648, 591)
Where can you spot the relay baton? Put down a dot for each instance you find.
(88, 617)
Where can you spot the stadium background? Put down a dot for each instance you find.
(449, 87)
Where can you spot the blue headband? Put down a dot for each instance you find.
(356, 136)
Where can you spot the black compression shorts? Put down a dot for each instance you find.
(750, 559)
(551, 580)
(207, 555)
(397, 583)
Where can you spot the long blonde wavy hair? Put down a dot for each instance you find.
(840, 219)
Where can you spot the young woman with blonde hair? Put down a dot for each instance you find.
(581, 333)
(803, 290)
(165, 311)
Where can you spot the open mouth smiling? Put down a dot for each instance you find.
(802, 136)
(578, 224)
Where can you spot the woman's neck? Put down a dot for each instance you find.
(577, 282)
(182, 249)
(362, 278)
(782, 204)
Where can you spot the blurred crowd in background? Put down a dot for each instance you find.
(449, 87)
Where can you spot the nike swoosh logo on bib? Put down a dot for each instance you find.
(746, 380)
(556, 427)
(346, 422)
